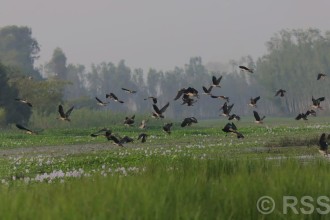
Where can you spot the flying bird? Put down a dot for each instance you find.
(231, 128)
(24, 101)
(244, 68)
(321, 76)
(187, 100)
(129, 91)
(103, 132)
(220, 97)
(113, 97)
(317, 102)
(167, 128)
(188, 121)
(234, 116)
(304, 115)
(257, 117)
(158, 113)
(120, 141)
(64, 116)
(101, 103)
(28, 131)
(143, 137)
(216, 81)
(207, 91)
(129, 121)
(191, 92)
(253, 101)
(280, 92)
(226, 109)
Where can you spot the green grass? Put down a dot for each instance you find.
(194, 173)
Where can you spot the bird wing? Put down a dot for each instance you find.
(205, 89)
(22, 128)
(299, 117)
(61, 111)
(98, 100)
(256, 116)
(180, 92)
(185, 122)
(156, 109)
(162, 110)
(127, 90)
(69, 111)
(214, 80)
(256, 99)
(319, 76)
(321, 99)
(193, 119)
(278, 92)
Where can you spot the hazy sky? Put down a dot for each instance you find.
(160, 34)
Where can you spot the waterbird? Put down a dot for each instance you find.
(257, 117)
(191, 92)
(158, 113)
(113, 97)
(129, 91)
(216, 81)
(280, 92)
(100, 102)
(24, 101)
(207, 91)
(167, 128)
(220, 97)
(244, 68)
(154, 99)
(226, 109)
(321, 76)
(129, 121)
(28, 131)
(253, 101)
(188, 121)
(317, 102)
(64, 116)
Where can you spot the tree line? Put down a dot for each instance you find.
(293, 59)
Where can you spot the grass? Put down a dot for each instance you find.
(194, 173)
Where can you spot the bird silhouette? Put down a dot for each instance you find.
(188, 121)
(129, 91)
(317, 102)
(113, 97)
(220, 97)
(129, 121)
(167, 128)
(226, 109)
(64, 116)
(216, 81)
(101, 103)
(28, 131)
(244, 68)
(321, 76)
(257, 117)
(253, 101)
(24, 101)
(280, 92)
(158, 113)
(207, 91)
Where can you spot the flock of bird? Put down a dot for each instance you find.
(188, 96)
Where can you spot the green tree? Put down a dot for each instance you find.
(19, 49)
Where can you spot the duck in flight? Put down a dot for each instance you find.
(100, 102)
(226, 109)
(280, 92)
(129, 91)
(158, 113)
(257, 117)
(129, 121)
(216, 81)
(244, 68)
(64, 116)
(317, 102)
(188, 121)
(24, 101)
(113, 97)
(253, 101)
(28, 131)
(207, 91)
(321, 76)
(143, 137)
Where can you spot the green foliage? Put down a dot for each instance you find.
(19, 49)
